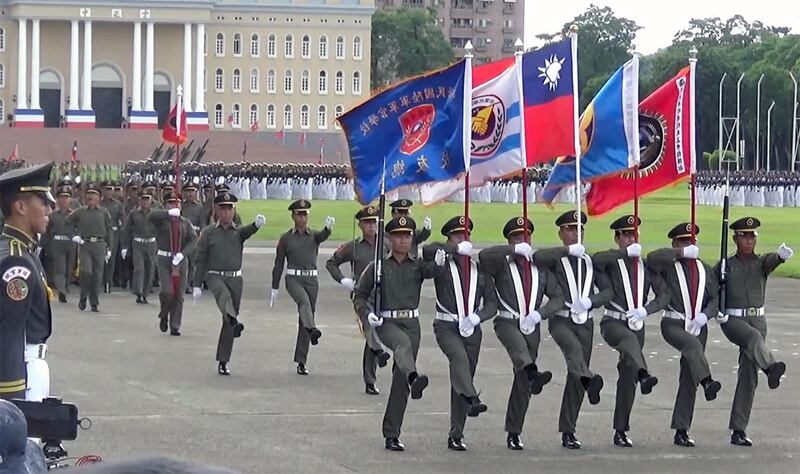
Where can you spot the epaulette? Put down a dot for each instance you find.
(15, 248)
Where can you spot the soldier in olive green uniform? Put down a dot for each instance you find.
(517, 328)
(170, 263)
(139, 239)
(219, 263)
(298, 249)
(458, 328)
(683, 326)
(743, 319)
(622, 325)
(396, 320)
(402, 207)
(92, 225)
(60, 247)
(117, 211)
(573, 327)
(360, 253)
(192, 210)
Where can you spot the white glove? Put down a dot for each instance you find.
(467, 325)
(440, 257)
(348, 283)
(273, 297)
(177, 259)
(196, 294)
(535, 318)
(427, 223)
(722, 318)
(582, 305)
(78, 240)
(524, 249)
(637, 314)
(329, 221)
(108, 255)
(474, 319)
(260, 221)
(634, 250)
(465, 248)
(577, 250)
(374, 320)
(124, 253)
(784, 252)
(691, 251)
(700, 320)
(174, 212)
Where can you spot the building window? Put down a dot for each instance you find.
(220, 45)
(337, 112)
(287, 116)
(271, 46)
(304, 120)
(323, 82)
(219, 115)
(306, 47)
(2, 111)
(357, 49)
(2, 39)
(288, 46)
(2, 75)
(322, 117)
(237, 44)
(323, 47)
(205, 44)
(356, 83)
(288, 79)
(271, 81)
(271, 116)
(255, 46)
(219, 80)
(340, 47)
(254, 80)
(305, 82)
(253, 115)
(236, 84)
(338, 83)
(236, 116)
(508, 23)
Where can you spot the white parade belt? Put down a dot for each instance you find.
(446, 317)
(400, 314)
(741, 312)
(615, 314)
(144, 240)
(226, 273)
(304, 273)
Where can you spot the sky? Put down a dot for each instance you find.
(659, 20)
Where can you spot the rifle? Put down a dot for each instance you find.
(723, 246)
(185, 151)
(198, 154)
(156, 155)
(378, 276)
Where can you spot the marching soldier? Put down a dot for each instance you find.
(116, 209)
(133, 196)
(168, 265)
(359, 253)
(516, 327)
(683, 325)
(743, 320)
(298, 249)
(92, 225)
(58, 242)
(397, 319)
(139, 239)
(191, 209)
(219, 263)
(458, 328)
(402, 207)
(573, 327)
(25, 317)
(622, 326)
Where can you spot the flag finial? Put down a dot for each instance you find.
(180, 89)
(693, 53)
(573, 28)
(468, 48)
(519, 46)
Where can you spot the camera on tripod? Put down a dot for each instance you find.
(52, 421)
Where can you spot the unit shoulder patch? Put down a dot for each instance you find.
(16, 272)
(17, 289)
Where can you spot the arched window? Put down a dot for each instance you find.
(253, 118)
(357, 49)
(323, 47)
(338, 111)
(288, 46)
(2, 39)
(340, 47)
(338, 83)
(219, 80)
(271, 81)
(2, 110)
(2, 76)
(236, 116)
(271, 116)
(237, 44)
(323, 82)
(288, 79)
(356, 83)
(322, 117)
(236, 83)
(254, 80)
(305, 82)
(306, 47)
(304, 120)
(287, 116)
(219, 49)
(255, 45)
(271, 46)
(219, 116)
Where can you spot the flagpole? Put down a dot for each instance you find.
(573, 34)
(176, 168)
(526, 235)
(693, 184)
(467, 147)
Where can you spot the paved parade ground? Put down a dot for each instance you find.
(151, 394)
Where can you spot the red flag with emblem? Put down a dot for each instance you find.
(173, 132)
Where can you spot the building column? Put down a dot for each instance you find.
(22, 65)
(35, 65)
(148, 69)
(136, 85)
(187, 67)
(74, 66)
(86, 99)
(200, 70)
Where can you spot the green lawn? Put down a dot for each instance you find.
(659, 213)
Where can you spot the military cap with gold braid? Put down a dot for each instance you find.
(401, 205)
(367, 213)
(92, 188)
(189, 186)
(401, 224)
(456, 224)
(683, 231)
(624, 223)
(27, 180)
(517, 224)
(171, 196)
(301, 206)
(570, 218)
(226, 198)
(64, 191)
(746, 225)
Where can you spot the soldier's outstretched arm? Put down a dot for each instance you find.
(322, 235)
(421, 236)
(493, 259)
(342, 255)
(769, 262)
(247, 231)
(661, 290)
(661, 259)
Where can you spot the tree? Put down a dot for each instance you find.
(406, 42)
